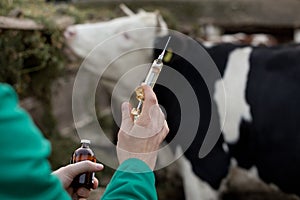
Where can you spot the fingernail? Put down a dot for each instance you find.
(99, 166)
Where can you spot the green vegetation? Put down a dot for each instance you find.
(31, 60)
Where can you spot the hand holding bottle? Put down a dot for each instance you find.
(68, 173)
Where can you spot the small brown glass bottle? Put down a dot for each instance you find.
(83, 153)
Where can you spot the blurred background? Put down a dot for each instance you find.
(35, 62)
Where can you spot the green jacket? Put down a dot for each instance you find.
(132, 180)
(25, 172)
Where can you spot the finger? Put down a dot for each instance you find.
(146, 127)
(84, 166)
(149, 102)
(157, 117)
(126, 109)
(96, 183)
(83, 192)
(127, 118)
(165, 130)
(150, 98)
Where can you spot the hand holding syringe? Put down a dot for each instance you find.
(150, 80)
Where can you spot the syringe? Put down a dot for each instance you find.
(150, 80)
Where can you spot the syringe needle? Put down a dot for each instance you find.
(160, 57)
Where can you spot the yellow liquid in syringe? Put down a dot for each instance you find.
(153, 73)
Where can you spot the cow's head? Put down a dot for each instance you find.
(82, 38)
(115, 52)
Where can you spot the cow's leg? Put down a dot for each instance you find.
(194, 187)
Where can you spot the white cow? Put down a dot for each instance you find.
(117, 51)
(111, 49)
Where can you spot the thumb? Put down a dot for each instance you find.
(126, 109)
(84, 166)
(127, 121)
(68, 173)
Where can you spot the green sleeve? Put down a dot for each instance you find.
(25, 172)
(132, 180)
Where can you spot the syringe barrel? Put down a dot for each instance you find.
(153, 73)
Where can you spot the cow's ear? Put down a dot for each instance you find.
(126, 10)
(162, 28)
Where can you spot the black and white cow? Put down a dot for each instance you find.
(270, 140)
(261, 129)
(261, 95)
